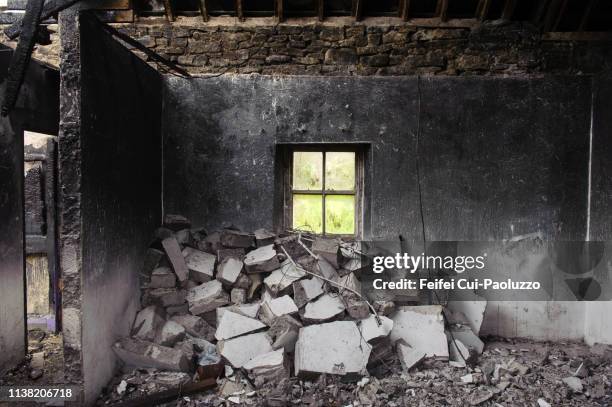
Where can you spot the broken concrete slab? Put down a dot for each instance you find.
(269, 367)
(170, 333)
(229, 270)
(465, 334)
(162, 277)
(474, 311)
(421, 327)
(334, 348)
(148, 321)
(282, 278)
(284, 333)
(261, 260)
(325, 269)
(307, 290)
(328, 249)
(264, 237)
(351, 282)
(167, 297)
(238, 296)
(326, 307)
(195, 326)
(248, 310)
(408, 356)
(207, 297)
(370, 328)
(277, 307)
(236, 239)
(201, 265)
(233, 324)
(458, 353)
(176, 258)
(238, 351)
(136, 353)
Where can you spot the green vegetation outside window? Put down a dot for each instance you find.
(324, 191)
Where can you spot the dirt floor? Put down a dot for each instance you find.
(508, 373)
(35, 371)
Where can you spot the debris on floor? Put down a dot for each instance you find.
(279, 320)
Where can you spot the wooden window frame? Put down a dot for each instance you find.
(358, 192)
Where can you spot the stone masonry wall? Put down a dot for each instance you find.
(349, 48)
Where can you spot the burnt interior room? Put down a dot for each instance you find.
(192, 193)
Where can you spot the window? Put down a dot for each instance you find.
(324, 191)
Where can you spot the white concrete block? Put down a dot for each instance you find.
(261, 260)
(201, 265)
(334, 348)
(206, 297)
(371, 330)
(233, 324)
(307, 290)
(148, 321)
(238, 351)
(277, 307)
(421, 327)
(408, 356)
(229, 270)
(281, 279)
(170, 333)
(324, 308)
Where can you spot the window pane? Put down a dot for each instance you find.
(307, 170)
(340, 214)
(340, 171)
(308, 212)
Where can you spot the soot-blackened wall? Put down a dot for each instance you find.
(37, 110)
(499, 157)
(120, 143)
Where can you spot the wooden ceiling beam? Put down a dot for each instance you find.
(278, 8)
(321, 10)
(239, 10)
(584, 21)
(203, 4)
(442, 10)
(552, 12)
(404, 9)
(169, 11)
(482, 9)
(358, 9)
(508, 11)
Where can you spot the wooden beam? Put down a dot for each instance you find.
(168, 10)
(203, 4)
(404, 11)
(321, 9)
(239, 10)
(483, 9)
(51, 8)
(560, 15)
(22, 55)
(539, 11)
(280, 14)
(584, 21)
(358, 9)
(442, 10)
(551, 15)
(508, 10)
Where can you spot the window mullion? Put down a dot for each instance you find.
(323, 193)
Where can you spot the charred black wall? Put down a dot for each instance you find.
(601, 163)
(499, 157)
(37, 110)
(120, 155)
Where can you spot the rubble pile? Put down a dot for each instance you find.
(272, 317)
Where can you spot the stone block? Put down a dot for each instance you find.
(238, 351)
(307, 290)
(229, 270)
(340, 56)
(173, 251)
(207, 297)
(162, 277)
(136, 353)
(371, 330)
(147, 322)
(233, 324)
(166, 297)
(281, 279)
(238, 296)
(261, 260)
(236, 239)
(422, 328)
(195, 326)
(170, 333)
(201, 265)
(325, 308)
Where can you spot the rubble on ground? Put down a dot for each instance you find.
(280, 319)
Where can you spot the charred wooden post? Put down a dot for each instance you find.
(51, 8)
(404, 9)
(239, 10)
(23, 54)
(168, 9)
(203, 4)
